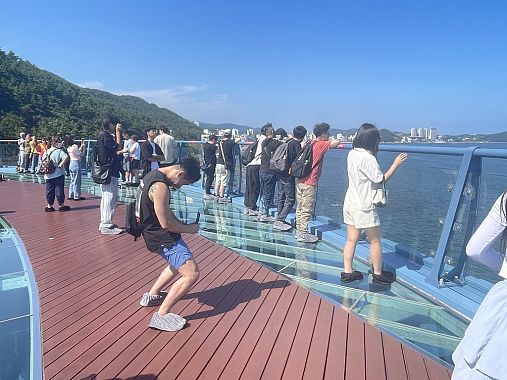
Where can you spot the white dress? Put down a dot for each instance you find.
(482, 352)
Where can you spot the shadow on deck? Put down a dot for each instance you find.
(245, 321)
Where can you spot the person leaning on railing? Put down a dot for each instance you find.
(478, 356)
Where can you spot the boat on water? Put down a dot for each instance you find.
(435, 204)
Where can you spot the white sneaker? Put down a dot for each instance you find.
(168, 322)
(280, 225)
(111, 231)
(265, 218)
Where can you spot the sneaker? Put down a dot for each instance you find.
(308, 238)
(349, 277)
(247, 211)
(49, 209)
(111, 231)
(168, 322)
(63, 208)
(148, 300)
(79, 199)
(299, 237)
(265, 218)
(208, 197)
(385, 278)
(280, 225)
(253, 212)
(224, 200)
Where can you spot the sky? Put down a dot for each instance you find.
(398, 64)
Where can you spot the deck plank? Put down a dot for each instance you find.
(245, 321)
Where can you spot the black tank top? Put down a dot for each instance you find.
(154, 235)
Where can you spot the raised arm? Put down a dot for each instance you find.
(400, 159)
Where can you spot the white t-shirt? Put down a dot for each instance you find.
(154, 164)
(126, 145)
(74, 153)
(364, 175)
(135, 151)
(257, 158)
(168, 145)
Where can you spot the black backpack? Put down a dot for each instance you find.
(302, 166)
(133, 216)
(248, 154)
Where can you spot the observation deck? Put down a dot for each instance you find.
(264, 308)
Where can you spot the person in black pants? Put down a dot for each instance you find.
(209, 164)
(286, 184)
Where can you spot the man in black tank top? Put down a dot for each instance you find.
(162, 234)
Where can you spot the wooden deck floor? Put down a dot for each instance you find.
(245, 321)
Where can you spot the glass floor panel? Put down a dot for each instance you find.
(398, 309)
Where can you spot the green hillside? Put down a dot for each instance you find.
(40, 102)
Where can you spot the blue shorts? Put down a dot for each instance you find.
(176, 255)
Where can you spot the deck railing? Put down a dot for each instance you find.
(436, 201)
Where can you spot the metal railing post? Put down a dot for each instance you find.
(438, 262)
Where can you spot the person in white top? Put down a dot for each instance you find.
(166, 142)
(359, 213)
(478, 356)
(127, 143)
(134, 159)
(253, 185)
(75, 153)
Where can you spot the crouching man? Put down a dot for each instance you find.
(162, 234)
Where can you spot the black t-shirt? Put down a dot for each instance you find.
(268, 149)
(106, 151)
(154, 235)
(227, 146)
(293, 149)
(210, 154)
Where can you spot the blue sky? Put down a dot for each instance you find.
(399, 64)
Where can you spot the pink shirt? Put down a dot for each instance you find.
(320, 147)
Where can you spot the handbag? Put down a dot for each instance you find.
(101, 174)
(380, 195)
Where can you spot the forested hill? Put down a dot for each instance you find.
(35, 100)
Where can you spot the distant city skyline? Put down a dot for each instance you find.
(399, 65)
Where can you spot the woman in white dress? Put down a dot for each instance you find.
(479, 354)
(358, 209)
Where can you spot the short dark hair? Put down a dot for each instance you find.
(265, 128)
(281, 132)
(149, 129)
(164, 129)
(126, 132)
(134, 138)
(299, 132)
(320, 129)
(212, 138)
(109, 120)
(192, 169)
(367, 137)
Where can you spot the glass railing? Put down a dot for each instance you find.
(436, 200)
(20, 337)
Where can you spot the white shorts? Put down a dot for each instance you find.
(359, 218)
(221, 175)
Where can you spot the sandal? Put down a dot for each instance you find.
(64, 208)
(349, 277)
(385, 278)
(49, 209)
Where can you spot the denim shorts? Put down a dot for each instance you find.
(176, 255)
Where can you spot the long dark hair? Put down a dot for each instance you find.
(503, 215)
(367, 137)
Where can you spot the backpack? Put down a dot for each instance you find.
(133, 217)
(248, 154)
(279, 160)
(47, 166)
(302, 166)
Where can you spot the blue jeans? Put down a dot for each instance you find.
(75, 179)
(268, 182)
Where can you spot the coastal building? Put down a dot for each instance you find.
(413, 132)
(432, 134)
(422, 133)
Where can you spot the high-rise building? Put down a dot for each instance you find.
(433, 134)
(413, 132)
(421, 132)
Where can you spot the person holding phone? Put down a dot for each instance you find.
(162, 235)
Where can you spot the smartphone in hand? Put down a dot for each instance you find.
(197, 217)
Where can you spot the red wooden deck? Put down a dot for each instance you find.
(245, 321)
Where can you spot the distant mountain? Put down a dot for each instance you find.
(43, 103)
(213, 127)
